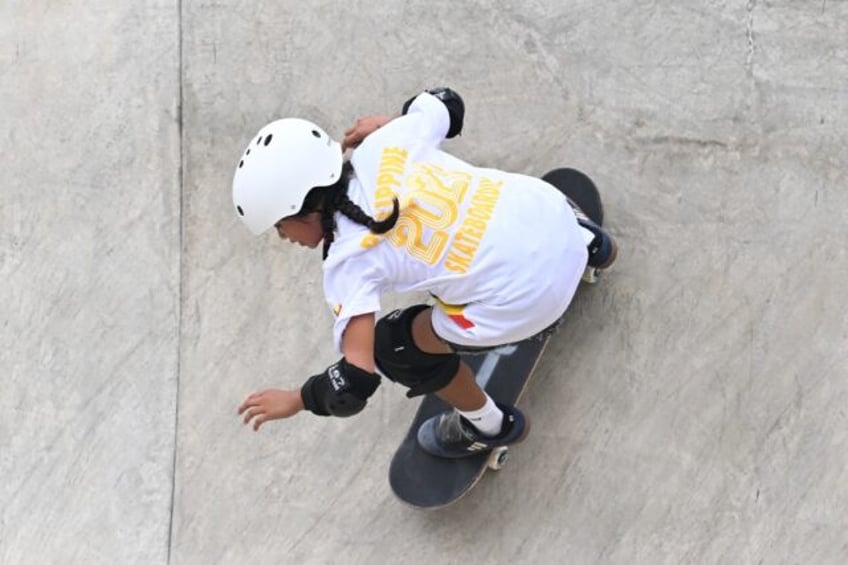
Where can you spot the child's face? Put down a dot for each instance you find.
(304, 230)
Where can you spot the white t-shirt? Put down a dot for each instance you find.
(465, 234)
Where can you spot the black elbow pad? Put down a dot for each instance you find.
(453, 102)
(341, 390)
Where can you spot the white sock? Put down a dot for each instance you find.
(488, 419)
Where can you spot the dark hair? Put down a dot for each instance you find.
(331, 199)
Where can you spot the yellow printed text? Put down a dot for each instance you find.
(389, 178)
(467, 239)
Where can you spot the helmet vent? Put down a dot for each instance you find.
(258, 140)
(240, 211)
(248, 152)
(241, 163)
(268, 139)
(316, 134)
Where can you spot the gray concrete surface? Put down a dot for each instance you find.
(692, 410)
(90, 270)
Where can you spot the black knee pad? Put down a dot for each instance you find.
(400, 360)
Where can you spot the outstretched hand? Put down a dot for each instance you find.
(363, 128)
(270, 405)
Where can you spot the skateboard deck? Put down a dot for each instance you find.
(579, 189)
(426, 481)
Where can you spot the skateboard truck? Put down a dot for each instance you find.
(591, 275)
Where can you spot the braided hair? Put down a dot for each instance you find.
(334, 198)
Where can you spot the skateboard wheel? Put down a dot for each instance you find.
(498, 457)
(591, 275)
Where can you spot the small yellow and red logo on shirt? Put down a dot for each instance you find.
(337, 309)
(457, 315)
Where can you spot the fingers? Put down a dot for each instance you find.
(352, 140)
(253, 412)
(355, 134)
(268, 405)
(256, 409)
(258, 415)
(252, 400)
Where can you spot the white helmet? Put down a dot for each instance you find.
(283, 162)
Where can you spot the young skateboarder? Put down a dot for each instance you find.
(501, 253)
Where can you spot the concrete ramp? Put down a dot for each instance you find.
(691, 410)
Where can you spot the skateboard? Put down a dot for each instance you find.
(425, 481)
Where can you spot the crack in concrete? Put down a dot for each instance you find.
(684, 141)
(749, 32)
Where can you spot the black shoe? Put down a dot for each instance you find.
(452, 436)
(602, 249)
